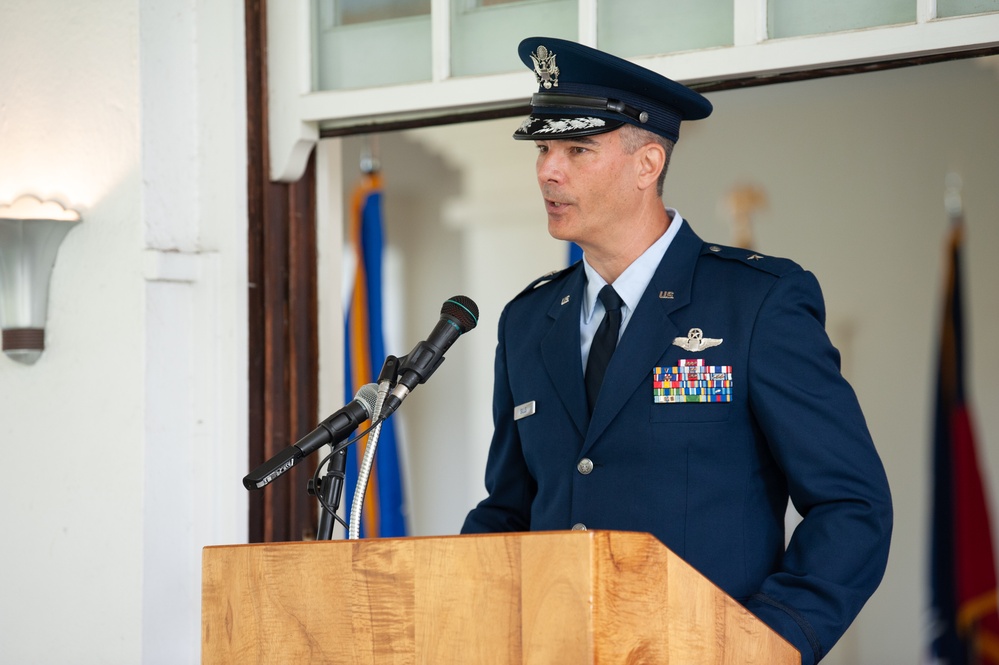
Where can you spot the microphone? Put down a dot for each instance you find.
(458, 315)
(334, 429)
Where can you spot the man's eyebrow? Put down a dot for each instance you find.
(579, 140)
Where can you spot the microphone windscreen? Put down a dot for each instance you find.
(462, 310)
(367, 395)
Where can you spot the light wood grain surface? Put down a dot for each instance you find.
(555, 597)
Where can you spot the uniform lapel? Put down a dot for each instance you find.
(649, 333)
(560, 350)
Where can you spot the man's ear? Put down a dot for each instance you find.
(651, 161)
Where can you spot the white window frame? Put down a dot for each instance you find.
(296, 112)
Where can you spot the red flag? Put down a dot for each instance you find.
(966, 622)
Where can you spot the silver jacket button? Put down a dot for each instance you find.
(579, 526)
(585, 466)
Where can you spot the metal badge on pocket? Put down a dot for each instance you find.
(695, 341)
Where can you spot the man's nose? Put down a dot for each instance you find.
(549, 168)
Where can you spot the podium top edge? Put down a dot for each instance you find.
(589, 534)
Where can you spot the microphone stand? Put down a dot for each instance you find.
(330, 486)
(330, 490)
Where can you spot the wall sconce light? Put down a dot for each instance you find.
(30, 234)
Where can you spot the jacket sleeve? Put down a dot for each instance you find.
(508, 480)
(816, 431)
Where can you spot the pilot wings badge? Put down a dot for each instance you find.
(695, 341)
(545, 67)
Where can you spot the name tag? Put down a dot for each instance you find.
(524, 410)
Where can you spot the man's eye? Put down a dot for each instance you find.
(578, 149)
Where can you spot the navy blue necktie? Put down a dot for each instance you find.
(604, 343)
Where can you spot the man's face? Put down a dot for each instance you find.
(590, 188)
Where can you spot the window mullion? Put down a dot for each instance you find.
(587, 10)
(440, 39)
(750, 22)
(926, 10)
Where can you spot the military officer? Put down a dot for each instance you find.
(672, 386)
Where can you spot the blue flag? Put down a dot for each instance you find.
(383, 514)
(575, 253)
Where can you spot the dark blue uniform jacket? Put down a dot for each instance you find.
(710, 480)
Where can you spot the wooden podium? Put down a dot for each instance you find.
(548, 597)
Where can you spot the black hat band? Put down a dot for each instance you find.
(560, 100)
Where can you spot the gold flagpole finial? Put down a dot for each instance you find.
(742, 202)
(952, 197)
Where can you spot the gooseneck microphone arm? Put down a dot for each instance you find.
(329, 488)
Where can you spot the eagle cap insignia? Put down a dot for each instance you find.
(545, 67)
(696, 341)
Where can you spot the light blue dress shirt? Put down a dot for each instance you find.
(630, 285)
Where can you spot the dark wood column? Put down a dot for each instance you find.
(283, 326)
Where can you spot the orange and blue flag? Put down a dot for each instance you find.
(965, 623)
(383, 514)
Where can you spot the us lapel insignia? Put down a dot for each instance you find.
(695, 341)
(565, 300)
(665, 295)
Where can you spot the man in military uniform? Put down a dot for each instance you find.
(672, 386)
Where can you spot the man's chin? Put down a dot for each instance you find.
(560, 229)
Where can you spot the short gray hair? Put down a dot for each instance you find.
(634, 137)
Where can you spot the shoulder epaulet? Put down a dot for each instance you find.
(772, 264)
(552, 276)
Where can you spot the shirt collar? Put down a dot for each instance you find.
(631, 284)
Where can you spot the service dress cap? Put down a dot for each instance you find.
(583, 91)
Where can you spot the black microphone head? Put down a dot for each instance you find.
(462, 311)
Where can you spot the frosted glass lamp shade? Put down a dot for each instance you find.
(30, 235)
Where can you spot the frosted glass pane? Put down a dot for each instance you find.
(350, 12)
(371, 54)
(963, 7)
(791, 18)
(485, 33)
(646, 27)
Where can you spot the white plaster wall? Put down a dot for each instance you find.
(71, 434)
(854, 169)
(123, 446)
